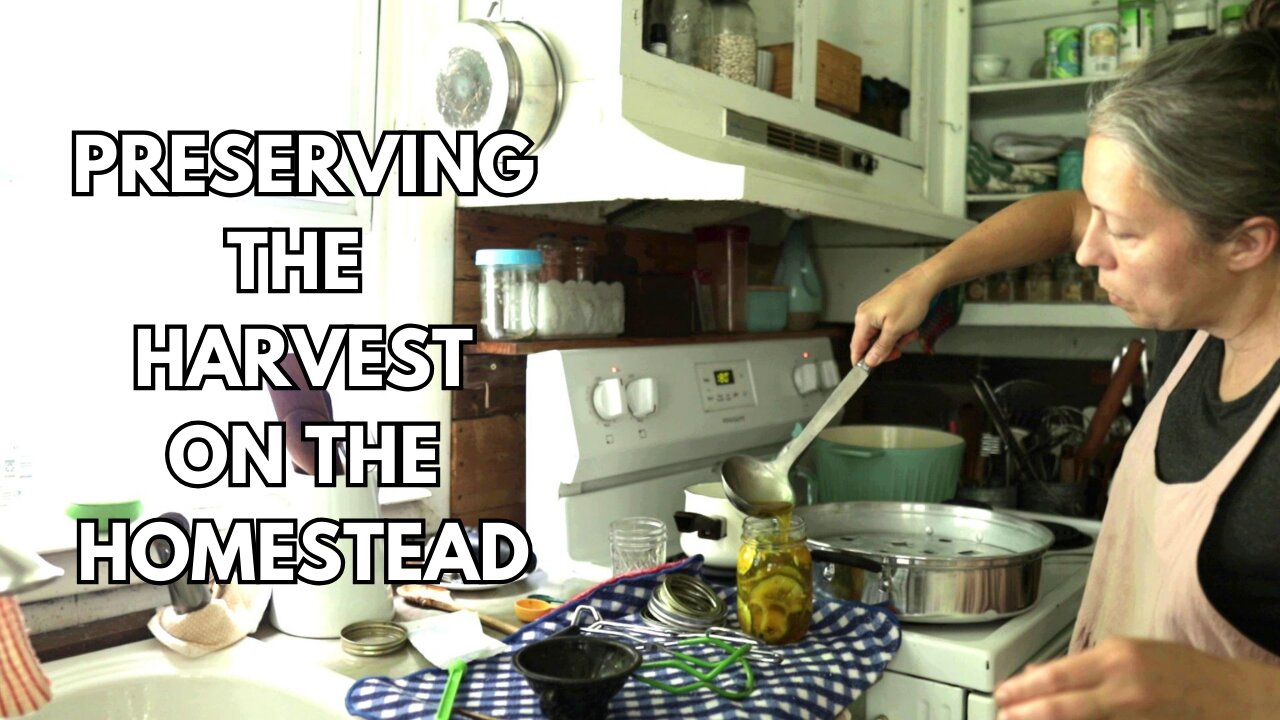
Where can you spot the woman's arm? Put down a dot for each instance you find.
(1031, 230)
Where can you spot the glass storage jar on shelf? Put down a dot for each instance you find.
(508, 293)
(1039, 284)
(1100, 294)
(1003, 287)
(684, 29)
(582, 261)
(727, 44)
(775, 580)
(1072, 281)
(554, 251)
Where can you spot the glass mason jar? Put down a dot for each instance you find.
(684, 28)
(727, 44)
(775, 580)
(508, 293)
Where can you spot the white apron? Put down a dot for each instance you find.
(1144, 581)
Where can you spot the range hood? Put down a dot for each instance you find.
(643, 141)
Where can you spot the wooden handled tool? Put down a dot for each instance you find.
(437, 598)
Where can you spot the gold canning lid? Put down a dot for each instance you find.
(372, 638)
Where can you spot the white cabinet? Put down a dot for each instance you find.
(636, 126)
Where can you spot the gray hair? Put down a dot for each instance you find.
(1202, 119)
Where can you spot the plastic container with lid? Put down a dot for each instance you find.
(508, 293)
(727, 44)
(1189, 18)
(1233, 19)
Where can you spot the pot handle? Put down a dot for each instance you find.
(854, 452)
(884, 591)
(708, 528)
(839, 558)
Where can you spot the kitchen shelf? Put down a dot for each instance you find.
(535, 346)
(998, 198)
(1032, 97)
(1076, 315)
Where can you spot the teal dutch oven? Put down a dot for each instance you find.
(883, 462)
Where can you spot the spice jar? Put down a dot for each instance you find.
(976, 290)
(727, 45)
(1001, 286)
(508, 293)
(1071, 281)
(775, 580)
(553, 250)
(1039, 285)
(582, 261)
(1100, 294)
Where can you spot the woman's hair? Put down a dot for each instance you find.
(1202, 118)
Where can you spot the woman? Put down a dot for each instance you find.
(1181, 215)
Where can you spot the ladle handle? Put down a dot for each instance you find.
(836, 400)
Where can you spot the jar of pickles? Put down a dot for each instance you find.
(775, 580)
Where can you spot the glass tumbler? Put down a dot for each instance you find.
(637, 543)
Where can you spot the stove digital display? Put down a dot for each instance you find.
(724, 377)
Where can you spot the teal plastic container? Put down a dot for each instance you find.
(766, 308)
(884, 462)
(1070, 170)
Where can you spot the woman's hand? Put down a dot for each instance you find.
(887, 321)
(1141, 680)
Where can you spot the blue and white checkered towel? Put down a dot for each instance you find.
(846, 650)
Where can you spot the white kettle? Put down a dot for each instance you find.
(321, 611)
(710, 526)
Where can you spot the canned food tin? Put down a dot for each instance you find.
(1101, 51)
(1062, 52)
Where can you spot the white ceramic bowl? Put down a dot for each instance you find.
(989, 68)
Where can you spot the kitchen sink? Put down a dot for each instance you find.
(147, 680)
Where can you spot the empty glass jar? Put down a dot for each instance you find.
(684, 28)
(508, 293)
(637, 543)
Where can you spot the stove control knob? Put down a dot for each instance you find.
(642, 397)
(805, 376)
(606, 398)
(830, 374)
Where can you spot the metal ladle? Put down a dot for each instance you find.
(760, 488)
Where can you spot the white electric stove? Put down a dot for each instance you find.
(620, 432)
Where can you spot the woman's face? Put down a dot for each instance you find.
(1149, 261)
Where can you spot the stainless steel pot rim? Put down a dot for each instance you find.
(894, 533)
(934, 563)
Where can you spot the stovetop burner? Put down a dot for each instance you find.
(1066, 537)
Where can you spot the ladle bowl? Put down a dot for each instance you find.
(761, 488)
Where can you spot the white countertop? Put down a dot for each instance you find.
(498, 603)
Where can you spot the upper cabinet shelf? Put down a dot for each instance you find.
(1033, 97)
(1063, 315)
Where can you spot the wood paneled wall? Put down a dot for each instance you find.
(487, 471)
